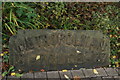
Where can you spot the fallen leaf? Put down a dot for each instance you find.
(64, 70)
(118, 44)
(76, 66)
(114, 57)
(95, 71)
(38, 57)
(66, 77)
(13, 74)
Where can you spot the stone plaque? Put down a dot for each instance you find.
(58, 49)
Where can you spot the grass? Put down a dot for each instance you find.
(61, 15)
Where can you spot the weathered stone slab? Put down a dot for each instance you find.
(58, 49)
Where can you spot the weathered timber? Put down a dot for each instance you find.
(85, 79)
(58, 49)
(27, 76)
(12, 78)
(68, 75)
(118, 70)
(89, 73)
(96, 78)
(77, 73)
(40, 76)
(108, 78)
(101, 72)
(53, 75)
(111, 71)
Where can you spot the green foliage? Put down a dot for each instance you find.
(61, 15)
(109, 23)
(6, 58)
(4, 73)
(18, 16)
(7, 72)
(18, 75)
(10, 70)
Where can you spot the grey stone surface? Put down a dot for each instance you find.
(58, 49)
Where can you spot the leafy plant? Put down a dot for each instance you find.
(62, 15)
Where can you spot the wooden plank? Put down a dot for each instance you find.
(13, 78)
(77, 73)
(85, 79)
(63, 75)
(107, 78)
(116, 77)
(53, 75)
(118, 70)
(96, 78)
(40, 76)
(3, 78)
(111, 71)
(78, 78)
(27, 76)
(101, 72)
(89, 73)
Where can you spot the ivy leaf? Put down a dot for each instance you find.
(30, 10)
(30, 15)
(11, 68)
(4, 73)
(20, 11)
(18, 75)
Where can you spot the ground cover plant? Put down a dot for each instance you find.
(61, 15)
